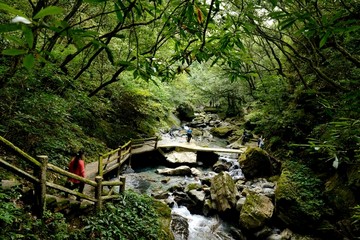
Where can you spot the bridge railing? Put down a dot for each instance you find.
(152, 142)
(41, 181)
(116, 158)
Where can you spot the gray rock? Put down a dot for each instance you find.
(223, 192)
(196, 172)
(275, 237)
(240, 203)
(179, 171)
(181, 157)
(256, 211)
(197, 195)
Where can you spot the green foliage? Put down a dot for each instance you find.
(356, 216)
(10, 212)
(17, 223)
(133, 217)
(299, 185)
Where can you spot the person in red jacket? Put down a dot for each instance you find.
(76, 166)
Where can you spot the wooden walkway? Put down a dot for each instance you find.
(196, 148)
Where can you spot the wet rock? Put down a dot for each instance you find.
(185, 112)
(263, 233)
(240, 203)
(197, 195)
(193, 186)
(164, 217)
(275, 236)
(255, 163)
(165, 180)
(286, 234)
(181, 157)
(183, 199)
(269, 192)
(223, 192)
(221, 165)
(160, 195)
(196, 172)
(222, 132)
(237, 234)
(209, 207)
(256, 211)
(179, 171)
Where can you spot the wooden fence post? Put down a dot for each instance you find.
(98, 192)
(156, 142)
(40, 190)
(100, 166)
(122, 187)
(119, 161)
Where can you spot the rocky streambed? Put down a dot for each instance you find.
(214, 195)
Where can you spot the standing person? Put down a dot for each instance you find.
(188, 134)
(261, 142)
(76, 166)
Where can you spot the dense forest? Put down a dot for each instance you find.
(92, 74)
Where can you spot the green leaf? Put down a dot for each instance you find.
(29, 37)
(10, 27)
(52, 10)
(324, 39)
(110, 55)
(29, 61)
(123, 63)
(287, 23)
(15, 39)
(10, 9)
(118, 12)
(13, 52)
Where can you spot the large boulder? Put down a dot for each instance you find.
(222, 132)
(256, 211)
(185, 112)
(256, 163)
(222, 165)
(181, 157)
(180, 226)
(179, 171)
(223, 192)
(298, 197)
(164, 213)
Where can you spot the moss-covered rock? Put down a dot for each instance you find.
(185, 112)
(223, 192)
(298, 197)
(222, 132)
(256, 163)
(256, 211)
(164, 213)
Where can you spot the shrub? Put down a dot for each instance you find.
(133, 217)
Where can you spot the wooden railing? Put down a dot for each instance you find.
(116, 158)
(39, 178)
